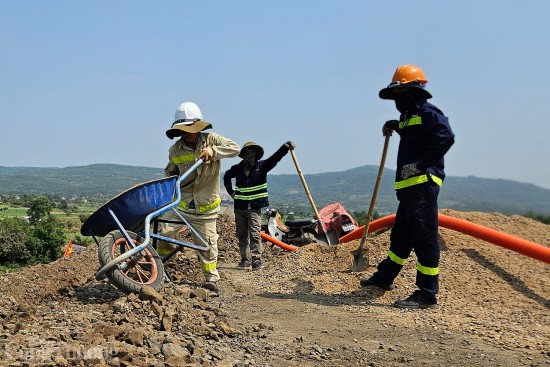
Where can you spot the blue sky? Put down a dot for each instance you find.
(85, 82)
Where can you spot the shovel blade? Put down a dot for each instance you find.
(332, 237)
(360, 261)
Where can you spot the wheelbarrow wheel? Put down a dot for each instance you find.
(145, 268)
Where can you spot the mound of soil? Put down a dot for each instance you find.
(303, 308)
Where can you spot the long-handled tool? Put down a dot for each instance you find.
(310, 198)
(360, 256)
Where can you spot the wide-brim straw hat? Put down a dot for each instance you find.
(251, 145)
(193, 126)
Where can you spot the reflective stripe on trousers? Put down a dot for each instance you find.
(205, 225)
(416, 227)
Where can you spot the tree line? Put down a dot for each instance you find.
(39, 237)
(25, 200)
(541, 218)
(32, 240)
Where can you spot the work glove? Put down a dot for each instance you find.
(409, 170)
(389, 126)
(290, 145)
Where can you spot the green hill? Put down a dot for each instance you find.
(352, 188)
(95, 181)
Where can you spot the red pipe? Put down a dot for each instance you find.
(278, 243)
(505, 240)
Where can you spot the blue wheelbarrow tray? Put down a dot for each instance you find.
(131, 207)
(134, 210)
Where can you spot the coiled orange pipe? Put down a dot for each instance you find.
(505, 240)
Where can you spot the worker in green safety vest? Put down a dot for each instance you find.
(250, 196)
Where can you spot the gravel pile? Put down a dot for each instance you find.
(304, 308)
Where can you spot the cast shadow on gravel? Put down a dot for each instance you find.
(516, 283)
(93, 293)
(303, 293)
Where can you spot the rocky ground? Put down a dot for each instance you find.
(304, 308)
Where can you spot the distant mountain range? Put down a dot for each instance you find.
(352, 188)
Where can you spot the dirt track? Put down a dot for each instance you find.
(303, 309)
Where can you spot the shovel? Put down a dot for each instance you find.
(360, 256)
(334, 241)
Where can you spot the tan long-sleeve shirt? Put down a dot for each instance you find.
(200, 192)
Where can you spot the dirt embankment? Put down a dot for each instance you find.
(302, 309)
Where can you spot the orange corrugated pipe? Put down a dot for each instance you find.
(505, 240)
(278, 243)
(374, 226)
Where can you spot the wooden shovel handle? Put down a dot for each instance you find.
(374, 193)
(308, 193)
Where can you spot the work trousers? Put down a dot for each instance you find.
(248, 223)
(416, 227)
(205, 225)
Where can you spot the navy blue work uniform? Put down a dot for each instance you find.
(250, 195)
(251, 189)
(425, 138)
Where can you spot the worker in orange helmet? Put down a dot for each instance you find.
(425, 137)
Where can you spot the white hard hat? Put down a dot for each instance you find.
(189, 119)
(188, 111)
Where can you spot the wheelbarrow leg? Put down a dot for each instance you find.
(166, 258)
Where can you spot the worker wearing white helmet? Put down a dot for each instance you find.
(200, 192)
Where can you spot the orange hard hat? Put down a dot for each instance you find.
(408, 74)
(406, 77)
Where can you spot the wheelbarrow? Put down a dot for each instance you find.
(127, 250)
